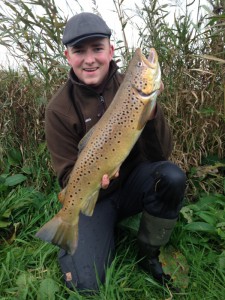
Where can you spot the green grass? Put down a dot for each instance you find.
(29, 267)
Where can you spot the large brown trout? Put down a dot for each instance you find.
(105, 147)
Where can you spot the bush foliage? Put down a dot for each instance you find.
(192, 59)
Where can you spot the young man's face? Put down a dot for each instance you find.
(90, 60)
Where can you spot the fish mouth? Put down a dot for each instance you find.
(152, 60)
(146, 96)
(150, 63)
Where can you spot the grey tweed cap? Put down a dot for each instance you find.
(83, 26)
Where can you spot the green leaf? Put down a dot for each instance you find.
(200, 226)
(14, 157)
(6, 214)
(221, 233)
(3, 188)
(221, 224)
(4, 224)
(15, 179)
(175, 264)
(2, 179)
(47, 290)
(27, 170)
(208, 217)
(23, 281)
(41, 148)
(207, 111)
(204, 203)
(221, 261)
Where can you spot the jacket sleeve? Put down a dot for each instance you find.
(62, 142)
(156, 138)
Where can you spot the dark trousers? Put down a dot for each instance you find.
(156, 187)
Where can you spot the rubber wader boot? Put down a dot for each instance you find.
(153, 233)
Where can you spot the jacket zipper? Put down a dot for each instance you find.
(79, 111)
(102, 100)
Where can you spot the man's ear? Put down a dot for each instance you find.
(67, 55)
(112, 50)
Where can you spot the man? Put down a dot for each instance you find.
(146, 182)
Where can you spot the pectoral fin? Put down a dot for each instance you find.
(61, 195)
(147, 112)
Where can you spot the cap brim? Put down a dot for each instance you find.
(81, 39)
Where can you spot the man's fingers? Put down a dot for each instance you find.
(161, 88)
(105, 181)
(116, 175)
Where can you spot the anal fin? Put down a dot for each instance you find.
(87, 206)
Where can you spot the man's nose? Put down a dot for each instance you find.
(89, 57)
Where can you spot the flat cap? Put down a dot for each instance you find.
(83, 26)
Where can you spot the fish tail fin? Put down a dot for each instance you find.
(60, 233)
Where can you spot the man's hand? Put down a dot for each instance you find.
(154, 109)
(106, 181)
(161, 87)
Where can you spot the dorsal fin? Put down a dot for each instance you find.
(147, 112)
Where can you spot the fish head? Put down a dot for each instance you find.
(145, 75)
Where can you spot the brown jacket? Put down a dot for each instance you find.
(75, 108)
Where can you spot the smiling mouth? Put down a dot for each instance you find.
(90, 69)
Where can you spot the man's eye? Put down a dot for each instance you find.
(77, 51)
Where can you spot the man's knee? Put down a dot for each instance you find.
(165, 198)
(171, 186)
(173, 176)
